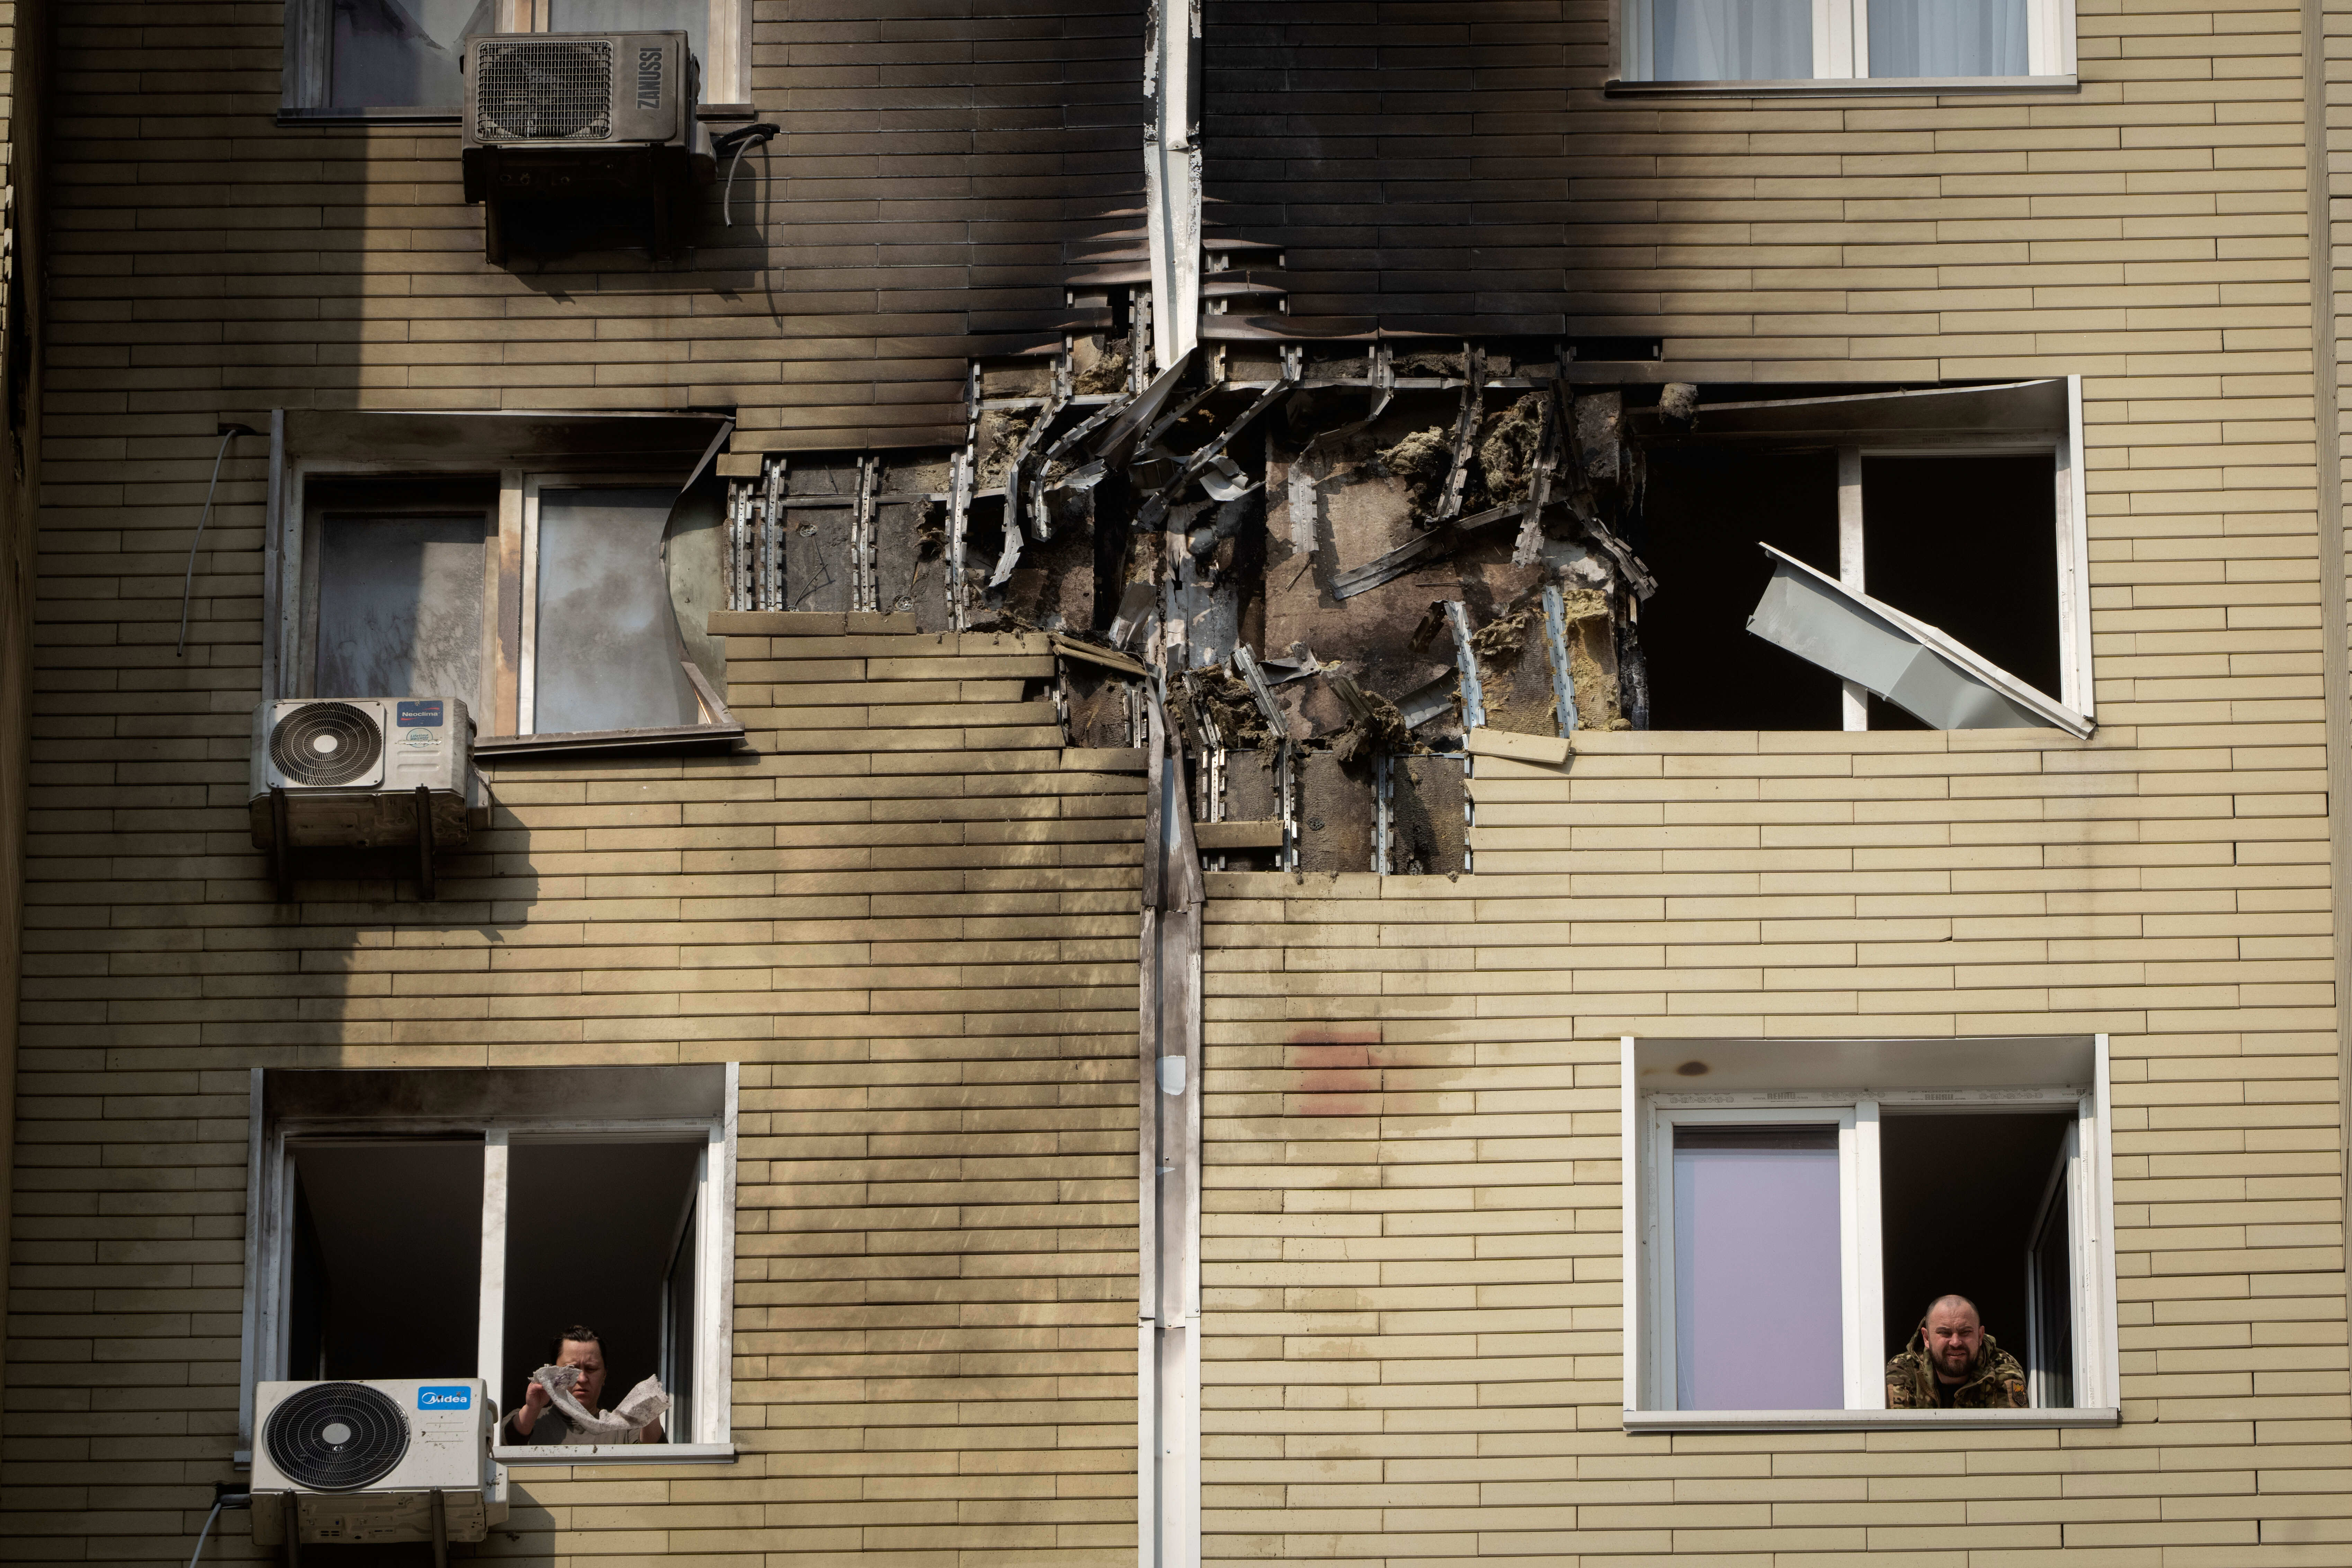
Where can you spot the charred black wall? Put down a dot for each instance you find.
(1413, 159)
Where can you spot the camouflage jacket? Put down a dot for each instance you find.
(1995, 1381)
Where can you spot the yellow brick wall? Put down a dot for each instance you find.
(1412, 1255)
(1413, 1248)
(912, 923)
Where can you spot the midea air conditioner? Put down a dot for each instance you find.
(582, 120)
(345, 770)
(361, 1461)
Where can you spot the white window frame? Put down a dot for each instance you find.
(269, 1253)
(1842, 55)
(307, 88)
(1648, 1117)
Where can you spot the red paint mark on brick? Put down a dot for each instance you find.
(1336, 1072)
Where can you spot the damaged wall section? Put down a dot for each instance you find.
(1332, 561)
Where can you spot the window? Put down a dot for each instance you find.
(526, 1201)
(563, 597)
(1845, 44)
(1868, 560)
(1794, 1206)
(403, 59)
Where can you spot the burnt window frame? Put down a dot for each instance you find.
(517, 452)
(1875, 421)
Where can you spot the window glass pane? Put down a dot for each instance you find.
(405, 53)
(605, 658)
(387, 1266)
(1731, 40)
(1759, 1318)
(400, 607)
(1948, 38)
(691, 17)
(2052, 1365)
(678, 1331)
(590, 1233)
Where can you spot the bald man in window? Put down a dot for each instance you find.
(1951, 1363)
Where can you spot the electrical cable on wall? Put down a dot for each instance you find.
(739, 141)
(225, 1494)
(188, 587)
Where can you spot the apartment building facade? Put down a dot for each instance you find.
(1336, 781)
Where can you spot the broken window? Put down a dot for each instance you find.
(566, 607)
(1785, 42)
(1866, 560)
(447, 1224)
(1788, 1227)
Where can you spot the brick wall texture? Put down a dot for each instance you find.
(915, 925)
(908, 921)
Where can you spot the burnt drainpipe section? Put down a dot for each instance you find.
(1168, 1385)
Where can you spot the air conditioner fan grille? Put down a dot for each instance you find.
(336, 1436)
(556, 90)
(325, 743)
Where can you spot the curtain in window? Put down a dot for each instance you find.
(400, 607)
(1760, 1301)
(691, 17)
(404, 53)
(606, 660)
(1731, 40)
(1949, 38)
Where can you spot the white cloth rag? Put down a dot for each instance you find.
(643, 1405)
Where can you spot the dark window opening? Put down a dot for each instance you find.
(387, 1260)
(1960, 1205)
(1703, 511)
(1967, 544)
(593, 1231)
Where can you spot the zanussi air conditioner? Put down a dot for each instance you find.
(572, 120)
(363, 1461)
(345, 770)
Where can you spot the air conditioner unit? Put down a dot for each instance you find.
(363, 1461)
(572, 119)
(346, 771)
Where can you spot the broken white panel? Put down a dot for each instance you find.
(1223, 478)
(1907, 661)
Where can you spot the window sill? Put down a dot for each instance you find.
(682, 738)
(449, 118)
(405, 115)
(1843, 86)
(616, 1454)
(1866, 1420)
